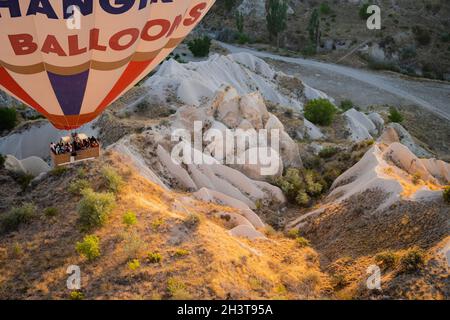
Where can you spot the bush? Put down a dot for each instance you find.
(200, 47)
(412, 260)
(363, 11)
(242, 38)
(346, 105)
(422, 36)
(129, 219)
(51, 212)
(134, 264)
(77, 186)
(299, 185)
(446, 194)
(89, 247)
(387, 259)
(302, 242)
(293, 233)
(17, 216)
(320, 112)
(325, 8)
(94, 208)
(2, 161)
(395, 115)
(154, 257)
(192, 221)
(58, 171)
(133, 245)
(177, 289)
(76, 295)
(181, 253)
(113, 180)
(328, 152)
(24, 180)
(8, 118)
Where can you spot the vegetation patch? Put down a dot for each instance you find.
(94, 208)
(8, 118)
(200, 47)
(320, 112)
(113, 181)
(412, 260)
(89, 247)
(17, 216)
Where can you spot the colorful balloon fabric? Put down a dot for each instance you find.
(70, 59)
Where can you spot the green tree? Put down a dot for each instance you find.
(229, 4)
(277, 18)
(8, 118)
(320, 111)
(395, 115)
(240, 22)
(314, 28)
(200, 46)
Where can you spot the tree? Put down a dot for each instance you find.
(314, 28)
(277, 18)
(320, 111)
(240, 22)
(229, 4)
(8, 118)
(395, 115)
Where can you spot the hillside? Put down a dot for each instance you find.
(414, 38)
(341, 198)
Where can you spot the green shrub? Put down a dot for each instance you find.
(94, 208)
(395, 115)
(422, 36)
(2, 161)
(76, 295)
(154, 257)
(24, 180)
(51, 212)
(192, 221)
(181, 253)
(242, 38)
(446, 194)
(328, 152)
(129, 219)
(412, 260)
(293, 233)
(134, 265)
(325, 8)
(229, 4)
(77, 186)
(320, 112)
(200, 47)
(387, 259)
(8, 118)
(346, 105)
(112, 179)
(302, 242)
(177, 289)
(17, 216)
(89, 247)
(156, 224)
(58, 171)
(299, 185)
(363, 11)
(133, 244)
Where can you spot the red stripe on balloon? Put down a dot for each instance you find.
(131, 73)
(12, 86)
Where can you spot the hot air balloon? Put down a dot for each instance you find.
(70, 59)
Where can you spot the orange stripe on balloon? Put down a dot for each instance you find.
(12, 86)
(131, 73)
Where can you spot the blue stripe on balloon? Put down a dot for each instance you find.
(69, 91)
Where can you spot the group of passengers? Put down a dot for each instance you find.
(77, 144)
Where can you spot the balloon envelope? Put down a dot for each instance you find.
(70, 63)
